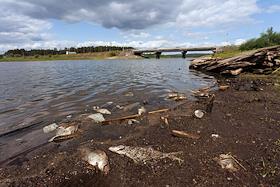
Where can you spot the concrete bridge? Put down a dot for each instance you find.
(184, 51)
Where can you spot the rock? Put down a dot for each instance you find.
(97, 158)
(50, 128)
(97, 118)
(199, 114)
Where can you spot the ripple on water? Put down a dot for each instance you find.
(46, 90)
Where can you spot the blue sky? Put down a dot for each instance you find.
(139, 23)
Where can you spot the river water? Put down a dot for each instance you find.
(35, 91)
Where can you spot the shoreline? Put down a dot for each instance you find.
(245, 117)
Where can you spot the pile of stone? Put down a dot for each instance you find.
(261, 61)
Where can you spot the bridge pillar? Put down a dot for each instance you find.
(184, 54)
(158, 55)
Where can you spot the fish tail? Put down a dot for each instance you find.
(174, 156)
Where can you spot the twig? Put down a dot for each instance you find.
(158, 111)
(183, 134)
(238, 162)
(133, 116)
(278, 69)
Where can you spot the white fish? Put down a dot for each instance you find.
(227, 161)
(144, 154)
(199, 114)
(133, 121)
(50, 128)
(103, 111)
(97, 118)
(142, 110)
(64, 132)
(97, 159)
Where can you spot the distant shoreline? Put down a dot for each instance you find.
(113, 55)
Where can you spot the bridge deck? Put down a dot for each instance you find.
(175, 50)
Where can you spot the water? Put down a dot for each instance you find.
(34, 91)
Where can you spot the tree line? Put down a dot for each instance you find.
(266, 39)
(55, 51)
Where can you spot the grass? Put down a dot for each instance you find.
(83, 56)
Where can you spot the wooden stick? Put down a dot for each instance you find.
(238, 162)
(276, 70)
(121, 119)
(159, 111)
(132, 116)
(183, 134)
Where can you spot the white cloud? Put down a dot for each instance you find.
(239, 41)
(215, 12)
(273, 9)
(26, 23)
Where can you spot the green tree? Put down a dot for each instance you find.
(266, 39)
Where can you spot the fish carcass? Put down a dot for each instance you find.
(64, 133)
(97, 159)
(144, 154)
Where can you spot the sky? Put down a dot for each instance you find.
(44, 24)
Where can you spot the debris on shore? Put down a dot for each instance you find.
(142, 111)
(199, 114)
(144, 154)
(259, 61)
(50, 128)
(103, 111)
(184, 134)
(63, 133)
(228, 162)
(97, 118)
(97, 159)
(176, 96)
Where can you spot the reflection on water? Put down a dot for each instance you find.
(47, 90)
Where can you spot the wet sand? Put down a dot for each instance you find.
(246, 117)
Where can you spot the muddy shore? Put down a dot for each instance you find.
(246, 118)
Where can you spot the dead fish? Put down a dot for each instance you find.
(142, 110)
(131, 106)
(176, 96)
(199, 114)
(129, 94)
(50, 128)
(97, 118)
(103, 111)
(226, 161)
(97, 159)
(223, 88)
(63, 132)
(144, 154)
(133, 121)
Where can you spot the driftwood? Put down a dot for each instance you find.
(264, 58)
(183, 134)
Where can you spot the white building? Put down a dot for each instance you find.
(70, 53)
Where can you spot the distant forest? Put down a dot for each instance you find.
(41, 52)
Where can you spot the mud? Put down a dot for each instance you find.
(246, 117)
